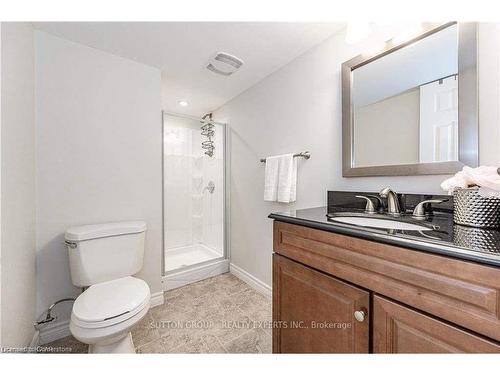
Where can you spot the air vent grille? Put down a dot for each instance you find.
(228, 59)
(225, 64)
(215, 70)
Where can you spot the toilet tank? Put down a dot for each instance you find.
(103, 252)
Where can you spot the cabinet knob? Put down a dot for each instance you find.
(360, 315)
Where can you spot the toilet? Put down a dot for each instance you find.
(103, 259)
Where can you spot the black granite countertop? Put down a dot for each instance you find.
(446, 238)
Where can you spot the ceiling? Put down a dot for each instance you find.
(181, 49)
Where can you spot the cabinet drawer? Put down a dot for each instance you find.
(314, 312)
(398, 329)
(461, 292)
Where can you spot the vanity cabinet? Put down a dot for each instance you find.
(399, 329)
(395, 300)
(318, 311)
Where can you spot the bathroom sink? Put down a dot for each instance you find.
(379, 223)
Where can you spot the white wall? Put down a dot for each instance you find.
(98, 119)
(298, 108)
(489, 93)
(0, 185)
(18, 185)
(179, 166)
(397, 118)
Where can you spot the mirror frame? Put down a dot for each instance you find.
(468, 138)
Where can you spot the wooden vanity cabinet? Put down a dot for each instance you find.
(316, 311)
(394, 300)
(399, 329)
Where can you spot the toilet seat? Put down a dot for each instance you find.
(110, 303)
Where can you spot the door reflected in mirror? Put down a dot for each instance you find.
(405, 104)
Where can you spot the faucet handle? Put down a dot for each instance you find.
(380, 202)
(419, 211)
(370, 208)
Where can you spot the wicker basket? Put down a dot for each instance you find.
(474, 210)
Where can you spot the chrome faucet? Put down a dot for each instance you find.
(392, 201)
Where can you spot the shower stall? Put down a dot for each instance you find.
(194, 199)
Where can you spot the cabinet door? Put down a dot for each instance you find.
(314, 312)
(399, 329)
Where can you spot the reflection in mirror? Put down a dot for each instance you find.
(405, 104)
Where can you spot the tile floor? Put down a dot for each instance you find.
(217, 315)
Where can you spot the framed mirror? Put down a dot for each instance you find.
(411, 109)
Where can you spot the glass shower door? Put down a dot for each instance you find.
(193, 191)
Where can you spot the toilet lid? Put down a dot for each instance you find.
(111, 300)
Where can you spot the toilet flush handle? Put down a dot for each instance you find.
(71, 245)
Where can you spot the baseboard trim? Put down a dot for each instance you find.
(55, 331)
(192, 275)
(251, 280)
(157, 299)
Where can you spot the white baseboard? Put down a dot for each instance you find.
(157, 299)
(192, 275)
(251, 280)
(55, 331)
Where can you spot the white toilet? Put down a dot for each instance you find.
(103, 257)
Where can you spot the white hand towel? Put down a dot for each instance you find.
(484, 176)
(293, 186)
(271, 179)
(459, 181)
(487, 178)
(287, 178)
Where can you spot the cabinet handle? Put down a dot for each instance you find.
(360, 315)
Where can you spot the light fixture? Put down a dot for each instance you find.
(183, 103)
(357, 32)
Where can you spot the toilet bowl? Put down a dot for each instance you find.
(104, 315)
(102, 259)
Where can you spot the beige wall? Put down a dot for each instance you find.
(17, 185)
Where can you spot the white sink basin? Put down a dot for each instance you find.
(378, 223)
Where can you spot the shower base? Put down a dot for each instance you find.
(185, 256)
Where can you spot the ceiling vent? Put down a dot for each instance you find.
(224, 64)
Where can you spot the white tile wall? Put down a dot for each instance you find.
(192, 214)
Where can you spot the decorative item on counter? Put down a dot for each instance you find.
(487, 178)
(476, 196)
(475, 210)
(486, 240)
